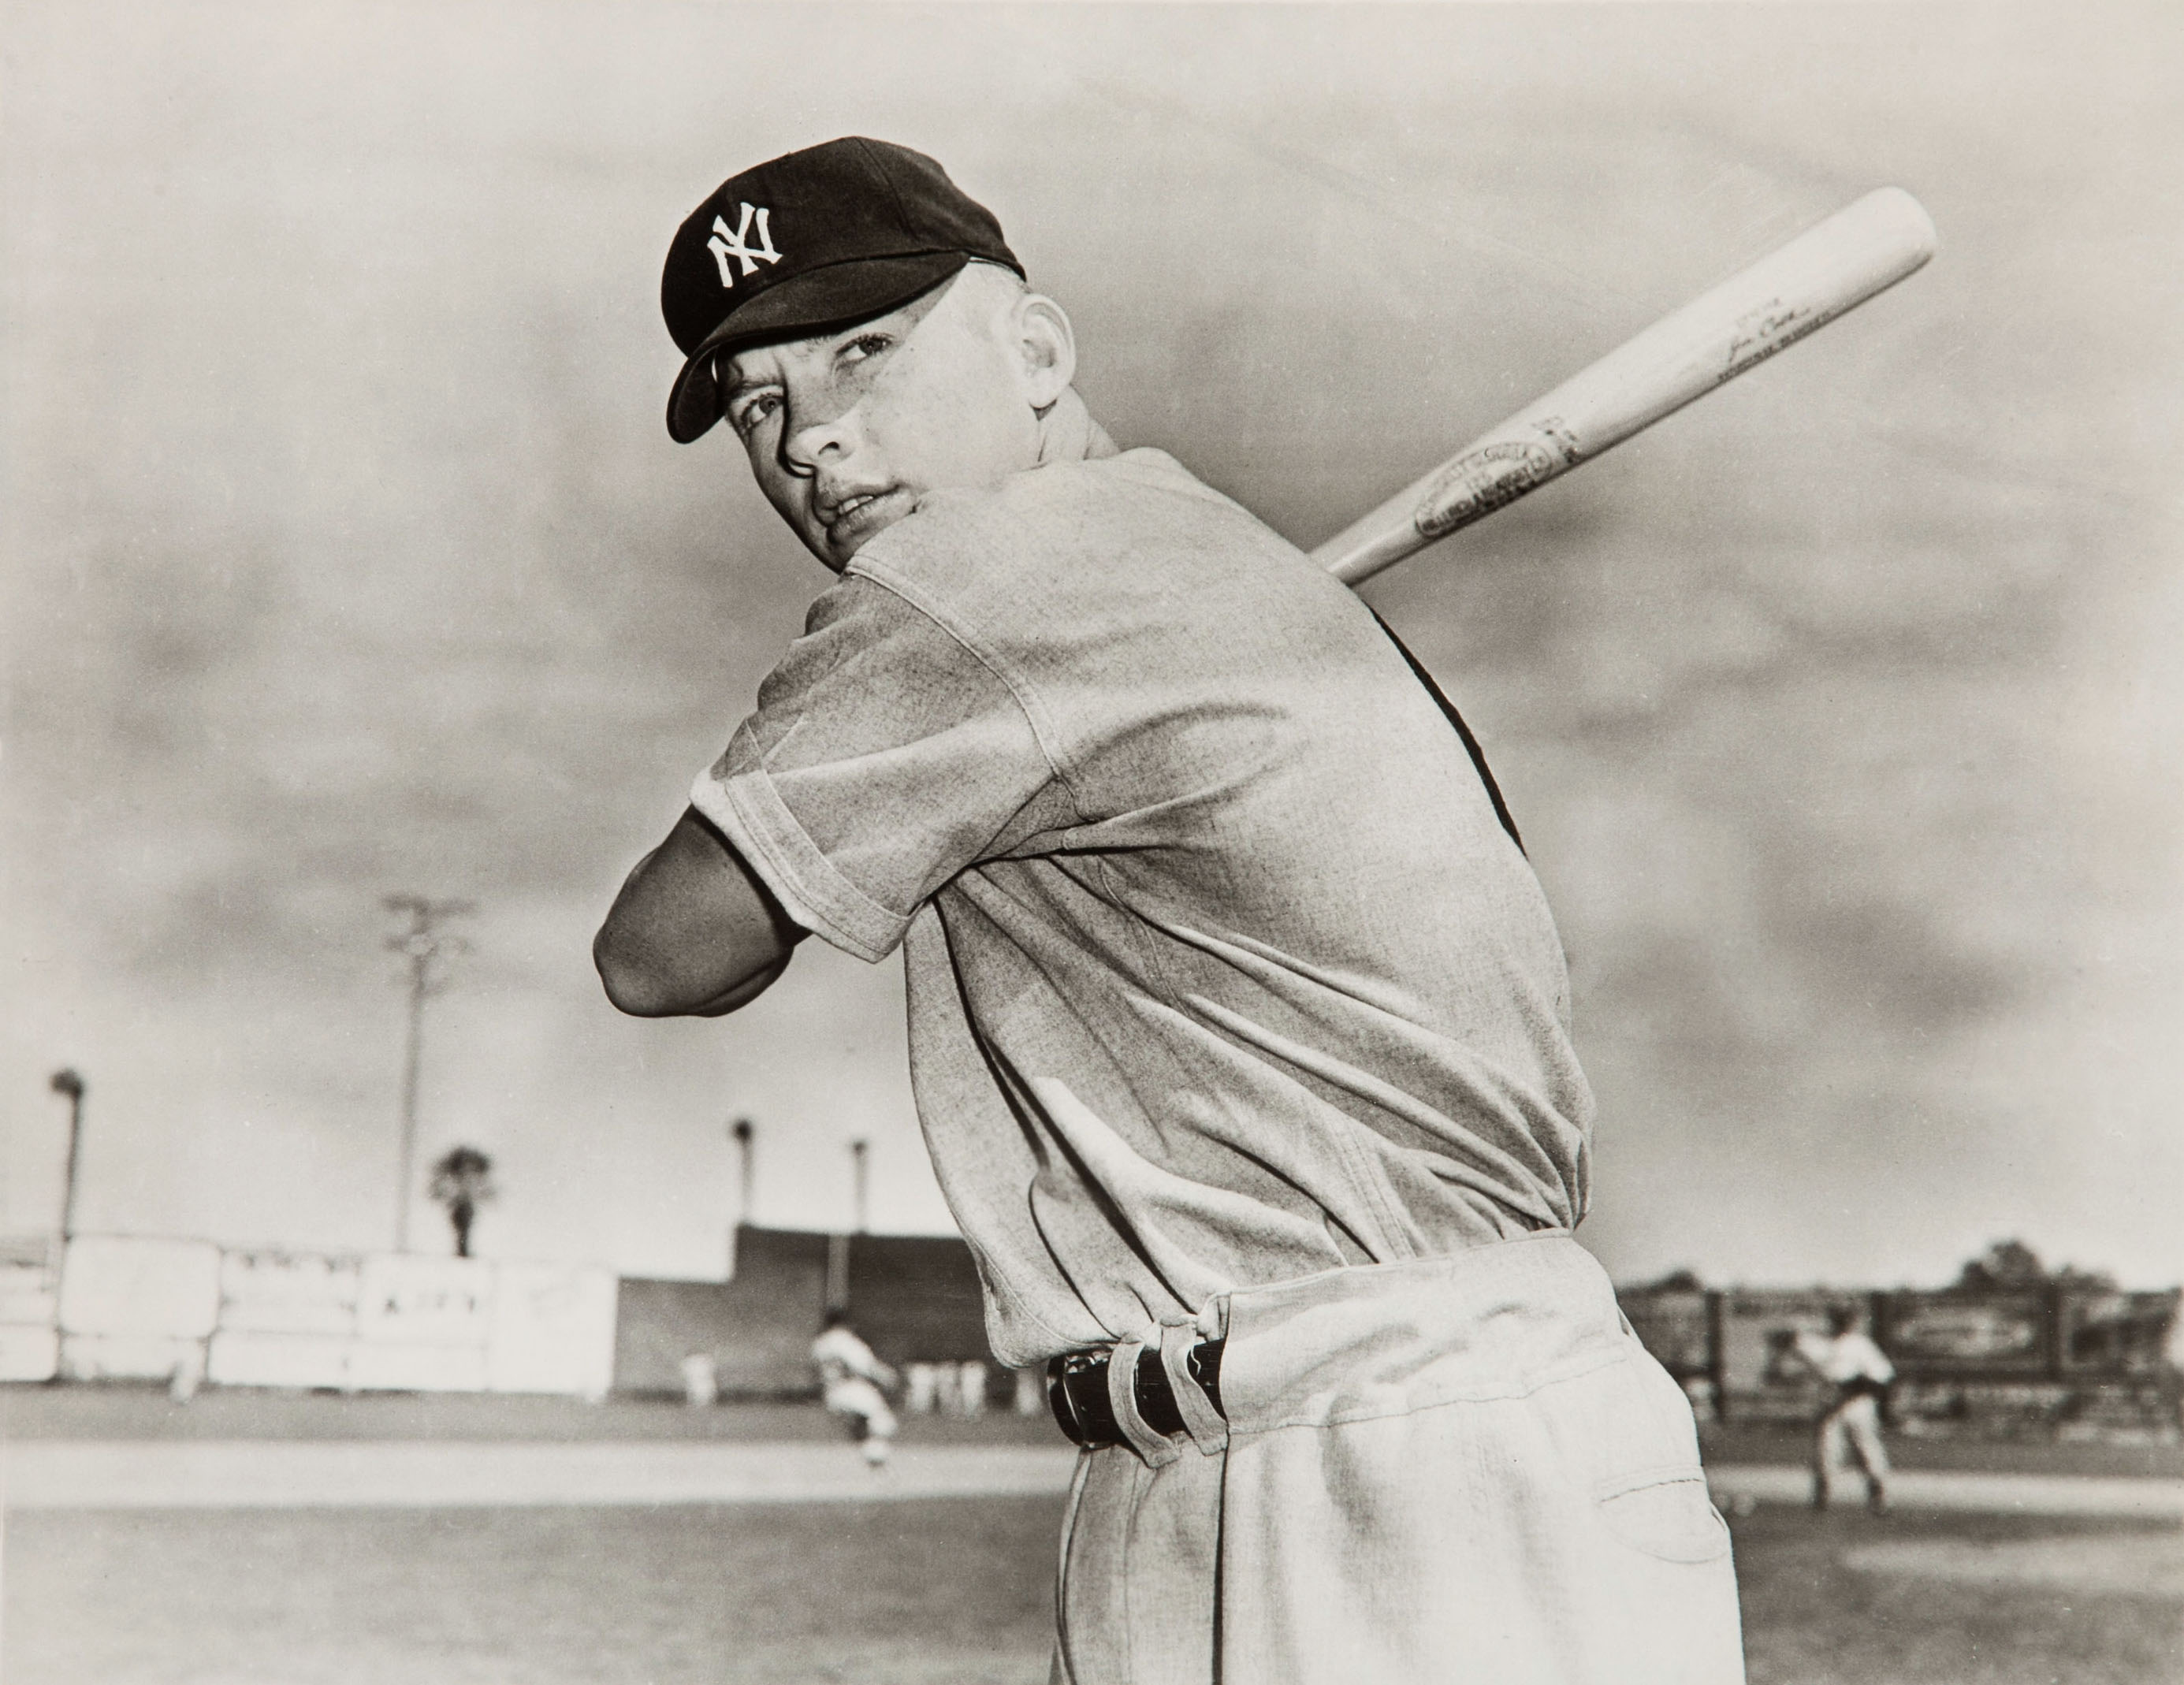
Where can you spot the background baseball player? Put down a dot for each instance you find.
(1859, 1371)
(1238, 1024)
(855, 1383)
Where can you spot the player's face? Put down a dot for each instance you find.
(846, 431)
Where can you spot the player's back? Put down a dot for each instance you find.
(1268, 984)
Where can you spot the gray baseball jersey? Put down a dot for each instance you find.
(1222, 969)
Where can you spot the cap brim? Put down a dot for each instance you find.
(819, 301)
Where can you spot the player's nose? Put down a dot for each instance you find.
(818, 432)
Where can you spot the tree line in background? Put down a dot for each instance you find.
(2005, 1264)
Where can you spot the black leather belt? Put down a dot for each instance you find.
(1076, 1388)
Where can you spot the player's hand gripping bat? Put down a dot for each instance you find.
(1826, 271)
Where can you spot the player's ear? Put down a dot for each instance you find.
(1047, 345)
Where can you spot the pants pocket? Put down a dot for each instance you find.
(1665, 1512)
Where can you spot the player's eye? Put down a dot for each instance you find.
(749, 410)
(863, 346)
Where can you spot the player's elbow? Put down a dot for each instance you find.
(644, 983)
(633, 982)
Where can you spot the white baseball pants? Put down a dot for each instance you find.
(1459, 1470)
(1852, 1427)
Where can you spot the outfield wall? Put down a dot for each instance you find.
(30, 1314)
(133, 1308)
(124, 1307)
(2043, 1360)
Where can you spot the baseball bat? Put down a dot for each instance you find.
(1832, 267)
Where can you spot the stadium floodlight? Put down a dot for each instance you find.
(66, 1082)
(428, 948)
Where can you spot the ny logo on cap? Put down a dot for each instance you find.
(724, 245)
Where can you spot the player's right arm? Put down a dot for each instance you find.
(694, 932)
(883, 757)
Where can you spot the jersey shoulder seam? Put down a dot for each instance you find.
(960, 631)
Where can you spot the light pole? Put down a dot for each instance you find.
(741, 1132)
(837, 1245)
(425, 946)
(66, 1082)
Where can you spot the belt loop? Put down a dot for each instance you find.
(1156, 1449)
(1208, 1431)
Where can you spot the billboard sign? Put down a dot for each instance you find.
(2117, 1333)
(1973, 1334)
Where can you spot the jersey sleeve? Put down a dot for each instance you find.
(884, 757)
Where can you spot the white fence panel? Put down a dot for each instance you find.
(249, 1359)
(288, 1293)
(552, 1329)
(121, 1285)
(126, 1356)
(131, 1309)
(382, 1365)
(407, 1300)
(29, 1353)
(28, 1295)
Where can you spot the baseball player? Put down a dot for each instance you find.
(1238, 1026)
(852, 1383)
(1848, 1360)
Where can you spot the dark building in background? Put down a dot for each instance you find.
(915, 1299)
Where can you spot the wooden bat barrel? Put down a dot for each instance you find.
(1832, 267)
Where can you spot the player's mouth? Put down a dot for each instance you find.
(852, 518)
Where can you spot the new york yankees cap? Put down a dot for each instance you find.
(809, 242)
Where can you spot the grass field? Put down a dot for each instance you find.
(912, 1591)
(916, 1593)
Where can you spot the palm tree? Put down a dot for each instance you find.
(462, 1181)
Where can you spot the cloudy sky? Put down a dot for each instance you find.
(345, 554)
